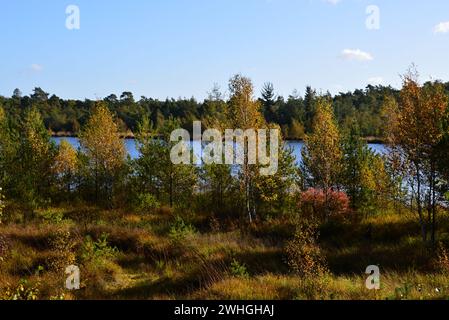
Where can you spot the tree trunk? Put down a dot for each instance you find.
(433, 185)
(419, 205)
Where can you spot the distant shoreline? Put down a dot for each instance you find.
(130, 135)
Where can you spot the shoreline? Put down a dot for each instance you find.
(130, 135)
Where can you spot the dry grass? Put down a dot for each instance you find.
(140, 261)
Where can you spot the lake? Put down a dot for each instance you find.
(297, 146)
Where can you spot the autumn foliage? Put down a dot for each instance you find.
(322, 204)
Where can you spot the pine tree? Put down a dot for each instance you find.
(31, 176)
(269, 103)
(310, 101)
(155, 173)
(364, 177)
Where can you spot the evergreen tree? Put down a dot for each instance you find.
(309, 109)
(364, 177)
(30, 170)
(155, 173)
(269, 103)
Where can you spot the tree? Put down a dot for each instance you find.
(213, 111)
(243, 113)
(443, 164)
(104, 150)
(322, 153)
(364, 178)
(127, 97)
(31, 178)
(296, 130)
(39, 95)
(417, 126)
(219, 187)
(146, 166)
(275, 193)
(5, 145)
(65, 165)
(17, 94)
(154, 171)
(309, 109)
(178, 181)
(269, 103)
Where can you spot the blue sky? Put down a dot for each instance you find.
(180, 48)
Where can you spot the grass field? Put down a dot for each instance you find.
(158, 256)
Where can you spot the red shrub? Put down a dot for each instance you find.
(324, 205)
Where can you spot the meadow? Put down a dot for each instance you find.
(124, 255)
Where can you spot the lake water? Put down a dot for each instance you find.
(297, 146)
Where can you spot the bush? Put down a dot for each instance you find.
(239, 270)
(304, 255)
(62, 245)
(53, 216)
(146, 203)
(318, 204)
(97, 250)
(180, 229)
(23, 291)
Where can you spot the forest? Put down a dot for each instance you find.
(294, 114)
(146, 228)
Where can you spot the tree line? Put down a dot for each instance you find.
(294, 114)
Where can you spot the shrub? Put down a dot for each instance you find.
(53, 216)
(318, 204)
(62, 245)
(23, 291)
(97, 250)
(313, 288)
(239, 270)
(304, 255)
(179, 230)
(146, 203)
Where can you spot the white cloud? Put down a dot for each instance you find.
(442, 27)
(356, 54)
(36, 67)
(376, 81)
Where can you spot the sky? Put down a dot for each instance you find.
(180, 48)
